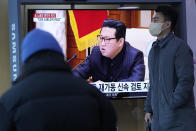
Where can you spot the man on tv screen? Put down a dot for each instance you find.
(114, 60)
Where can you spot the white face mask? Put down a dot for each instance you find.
(155, 28)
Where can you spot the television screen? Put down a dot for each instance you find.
(74, 30)
(76, 26)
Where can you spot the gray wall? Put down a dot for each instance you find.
(4, 47)
(191, 29)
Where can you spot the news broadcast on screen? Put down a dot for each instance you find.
(69, 27)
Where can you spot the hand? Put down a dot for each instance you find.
(90, 80)
(148, 116)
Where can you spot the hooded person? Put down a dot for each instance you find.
(47, 97)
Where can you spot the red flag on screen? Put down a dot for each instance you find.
(86, 25)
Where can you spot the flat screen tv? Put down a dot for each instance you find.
(57, 18)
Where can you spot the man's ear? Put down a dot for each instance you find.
(169, 24)
(121, 41)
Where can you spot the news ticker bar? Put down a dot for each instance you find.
(122, 87)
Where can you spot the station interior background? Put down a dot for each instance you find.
(130, 112)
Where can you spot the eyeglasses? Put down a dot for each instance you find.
(101, 39)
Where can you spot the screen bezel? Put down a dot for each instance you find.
(17, 8)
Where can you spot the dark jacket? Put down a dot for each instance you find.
(170, 97)
(128, 65)
(49, 98)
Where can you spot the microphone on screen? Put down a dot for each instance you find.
(73, 57)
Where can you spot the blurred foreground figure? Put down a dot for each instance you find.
(47, 97)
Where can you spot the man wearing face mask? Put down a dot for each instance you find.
(170, 101)
(114, 59)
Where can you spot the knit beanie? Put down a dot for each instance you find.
(38, 40)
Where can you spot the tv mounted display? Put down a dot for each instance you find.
(56, 19)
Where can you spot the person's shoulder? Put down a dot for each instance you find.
(180, 43)
(85, 87)
(10, 98)
(12, 91)
(178, 40)
(95, 49)
(131, 49)
(95, 52)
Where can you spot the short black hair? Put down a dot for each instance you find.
(169, 13)
(118, 25)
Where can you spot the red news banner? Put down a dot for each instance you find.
(47, 17)
(122, 87)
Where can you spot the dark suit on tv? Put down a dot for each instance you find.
(128, 65)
